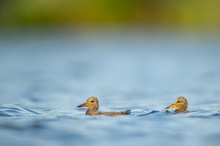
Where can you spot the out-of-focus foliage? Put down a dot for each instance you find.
(186, 13)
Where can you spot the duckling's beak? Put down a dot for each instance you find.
(83, 105)
(171, 106)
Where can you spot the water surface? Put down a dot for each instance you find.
(46, 74)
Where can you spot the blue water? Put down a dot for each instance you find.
(45, 75)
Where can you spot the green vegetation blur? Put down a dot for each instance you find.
(181, 13)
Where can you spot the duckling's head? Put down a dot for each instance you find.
(180, 104)
(92, 103)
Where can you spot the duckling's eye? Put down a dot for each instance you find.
(178, 101)
(92, 101)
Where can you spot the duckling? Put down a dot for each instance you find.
(93, 105)
(180, 104)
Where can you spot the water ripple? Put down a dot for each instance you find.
(7, 110)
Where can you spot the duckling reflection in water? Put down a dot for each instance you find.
(93, 105)
(180, 104)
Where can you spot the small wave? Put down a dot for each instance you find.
(15, 110)
(189, 113)
(203, 114)
(145, 112)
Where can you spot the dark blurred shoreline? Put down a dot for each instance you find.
(183, 14)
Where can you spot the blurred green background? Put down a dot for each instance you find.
(178, 13)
